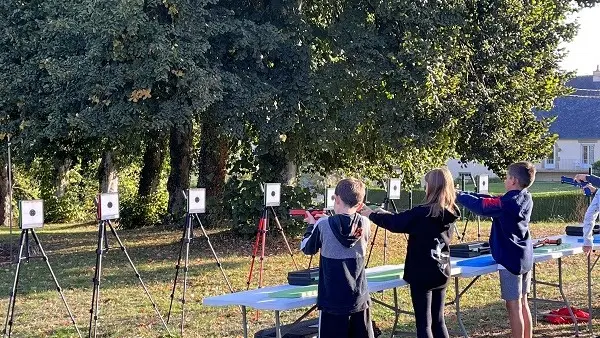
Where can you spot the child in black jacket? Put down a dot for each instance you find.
(427, 265)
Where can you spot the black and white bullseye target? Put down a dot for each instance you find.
(197, 201)
(31, 214)
(272, 194)
(108, 206)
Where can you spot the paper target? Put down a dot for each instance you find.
(482, 184)
(394, 187)
(329, 198)
(272, 194)
(109, 206)
(31, 214)
(197, 201)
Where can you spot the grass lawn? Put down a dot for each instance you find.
(125, 311)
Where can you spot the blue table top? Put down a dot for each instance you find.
(485, 260)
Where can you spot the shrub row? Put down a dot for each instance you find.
(548, 207)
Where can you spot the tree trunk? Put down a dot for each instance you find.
(180, 148)
(291, 173)
(61, 168)
(4, 198)
(107, 173)
(153, 159)
(276, 168)
(212, 161)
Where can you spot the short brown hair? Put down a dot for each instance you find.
(524, 172)
(350, 191)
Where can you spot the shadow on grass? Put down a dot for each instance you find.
(73, 258)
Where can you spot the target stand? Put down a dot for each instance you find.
(481, 187)
(107, 212)
(31, 216)
(272, 199)
(328, 211)
(393, 187)
(196, 205)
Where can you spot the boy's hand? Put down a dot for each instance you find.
(382, 211)
(366, 211)
(309, 218)
(591, 187)
(580, 177)
(587, 250)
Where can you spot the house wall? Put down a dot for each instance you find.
(568, 159)
(473, 167)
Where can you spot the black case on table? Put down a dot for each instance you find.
(304, 277)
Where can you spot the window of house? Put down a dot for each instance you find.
(587, 154)
(551, 159)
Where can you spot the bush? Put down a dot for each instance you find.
(137, 211)
(568, 207)
(596, 168)
(245, 201)
(377, 196)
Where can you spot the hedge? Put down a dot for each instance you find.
(548, 207)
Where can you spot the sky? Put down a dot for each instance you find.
(584, 51)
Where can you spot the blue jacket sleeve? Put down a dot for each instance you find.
(594, 180)
(402, 222)
(484, 206)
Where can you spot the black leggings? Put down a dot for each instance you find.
(429, 312)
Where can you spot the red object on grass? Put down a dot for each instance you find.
(562, 316)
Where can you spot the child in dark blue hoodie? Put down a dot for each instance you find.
(343, 297)
(510, 240)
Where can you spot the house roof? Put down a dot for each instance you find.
(578, 114)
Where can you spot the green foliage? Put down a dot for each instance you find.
(567, 207)
(143, 211)
(245, 200)
(356, 86)
(139, 211)
(596, 168)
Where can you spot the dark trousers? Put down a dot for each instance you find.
(354, 325)
(429, 312)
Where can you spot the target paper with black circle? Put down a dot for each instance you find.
(394, 187)
(482, 184)
(329, 198)
(31, 214)
(109, 206)
(272, 194)
(197, 201)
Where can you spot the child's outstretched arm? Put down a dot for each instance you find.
(475, 194)
(311, 242)
(593, 179)
(483, 206)
(399, 223)
(588, 223)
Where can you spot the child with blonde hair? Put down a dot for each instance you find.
(427, 265)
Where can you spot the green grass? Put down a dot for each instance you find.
(125, 311)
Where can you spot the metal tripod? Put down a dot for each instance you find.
(261, 239)
(100, 249)
(186, 239)
(386, 206)
(478, 218)
(24, 246)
